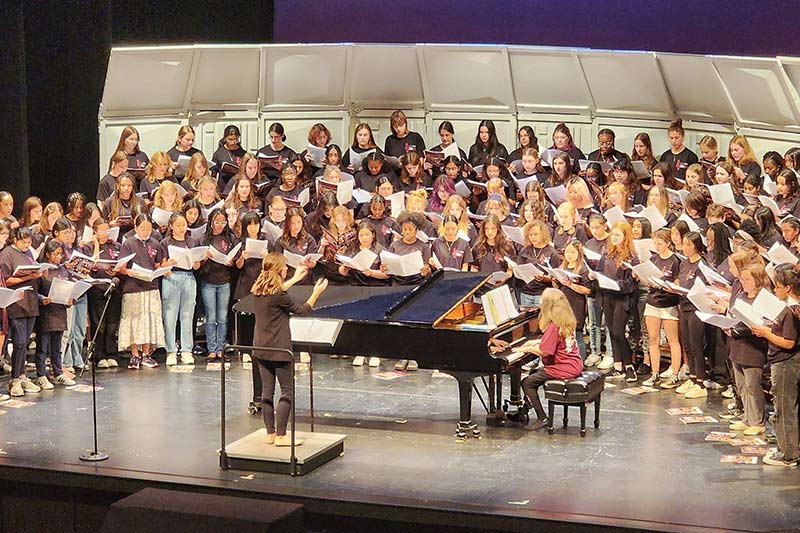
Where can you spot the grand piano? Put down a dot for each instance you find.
(442, 325)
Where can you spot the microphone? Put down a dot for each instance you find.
(114, 282)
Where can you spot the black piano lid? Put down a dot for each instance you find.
(423, 304)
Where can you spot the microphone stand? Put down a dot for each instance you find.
(95, 455)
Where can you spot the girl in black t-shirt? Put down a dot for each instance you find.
(363, 141)
(183, 148)
(412, 175)
(274, 148)
(137, 159)
(450, 250)
(576, 289)
(52, 321)
(741, 155)
(661, 310)
(486, 145)
(678, 154)
(402, 141)
(562, 141)
(229, 155)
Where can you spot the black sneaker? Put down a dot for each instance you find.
(644, 370)
(630, 375)
(615, 374)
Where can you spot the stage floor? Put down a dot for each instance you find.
(642, 468)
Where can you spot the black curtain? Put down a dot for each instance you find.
(53, 60)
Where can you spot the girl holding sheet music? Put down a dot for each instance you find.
(178, 292)
(643, 150)
(782, 355)
(372, 275)
(576, 289)
(748, 355)
(769, 233)
(229, 154)
(198, 169)
(52, 322)
(76, 211)
(709, 157)
(243, 197)
(297, 240)
(141, 327)
(562, 141)
(123, 206)
(288, 186)
(664, 176)
(275, 154)
(579, 196)
(788, 198)
(318, 138)
(321, 217)
(661, 310)
(560, 172)
(333, 158)
(184, 147)
(619, 304)
(623, 172)
(773, 164)
(567, 228)
(22, 314)
(157, 171)
(457, 206)
(374, 168)
(693, 333)
(447, 135)
(539, 251)
(410, 223)
(363, 142)
(341, 235)
(744, 160)
(412, 174)
(658, 197)
(383, 224)
(42, 231)
(64, 232)
(450, 250)
(443, 188)
(249, 168)
(105, 249)
(215, 281)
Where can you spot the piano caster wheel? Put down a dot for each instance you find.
(463, 427)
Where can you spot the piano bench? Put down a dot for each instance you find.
(586, 388)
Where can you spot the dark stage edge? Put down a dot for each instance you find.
(642, 470)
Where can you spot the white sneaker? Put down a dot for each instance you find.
(666, 374)
(112, 363)
(606, 363)
(358, 360)
(15, 388)
(187, 358)
(4, 397)
(305, 357)
(592, 360)
(652, 380)
(43, 383)
(683, 373)
(63, 379)
(696, 392)
(685, 387)
(728, 393)
(102, 363)
(402, 364)
(412, 365)
(172, 359)
(713, 385)
(374, 362)
(28, 385)
(246, 358)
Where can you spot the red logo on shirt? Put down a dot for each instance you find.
(385, 230)
(497, 258)
(224, 246)
(151, 252)
(455, 254)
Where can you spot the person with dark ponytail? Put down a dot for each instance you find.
(229, 151)
(527, 139)
(784, 360)
(486, 145)
(678, 154)
(769, 233)
(275, 147)
(788, 198)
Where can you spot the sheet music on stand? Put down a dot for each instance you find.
(318, 331)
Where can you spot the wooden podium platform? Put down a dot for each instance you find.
(252, 452)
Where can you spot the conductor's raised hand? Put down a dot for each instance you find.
(320, 286)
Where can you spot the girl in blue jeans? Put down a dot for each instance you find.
(215, 281)
(178, 293)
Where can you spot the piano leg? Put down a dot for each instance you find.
(515, 408)
(465, 424)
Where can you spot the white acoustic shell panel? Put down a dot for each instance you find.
(548, 81)
(385, 77)
(695, 88)
(226, 78)
(302, 77)
(147, 81)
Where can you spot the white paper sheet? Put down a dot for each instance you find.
(402, 265)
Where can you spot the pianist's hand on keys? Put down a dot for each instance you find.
(529, 346)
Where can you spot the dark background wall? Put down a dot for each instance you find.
(53, 59)
(742, 27)
(53, 54)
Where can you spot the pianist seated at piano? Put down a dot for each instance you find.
(557, 347)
